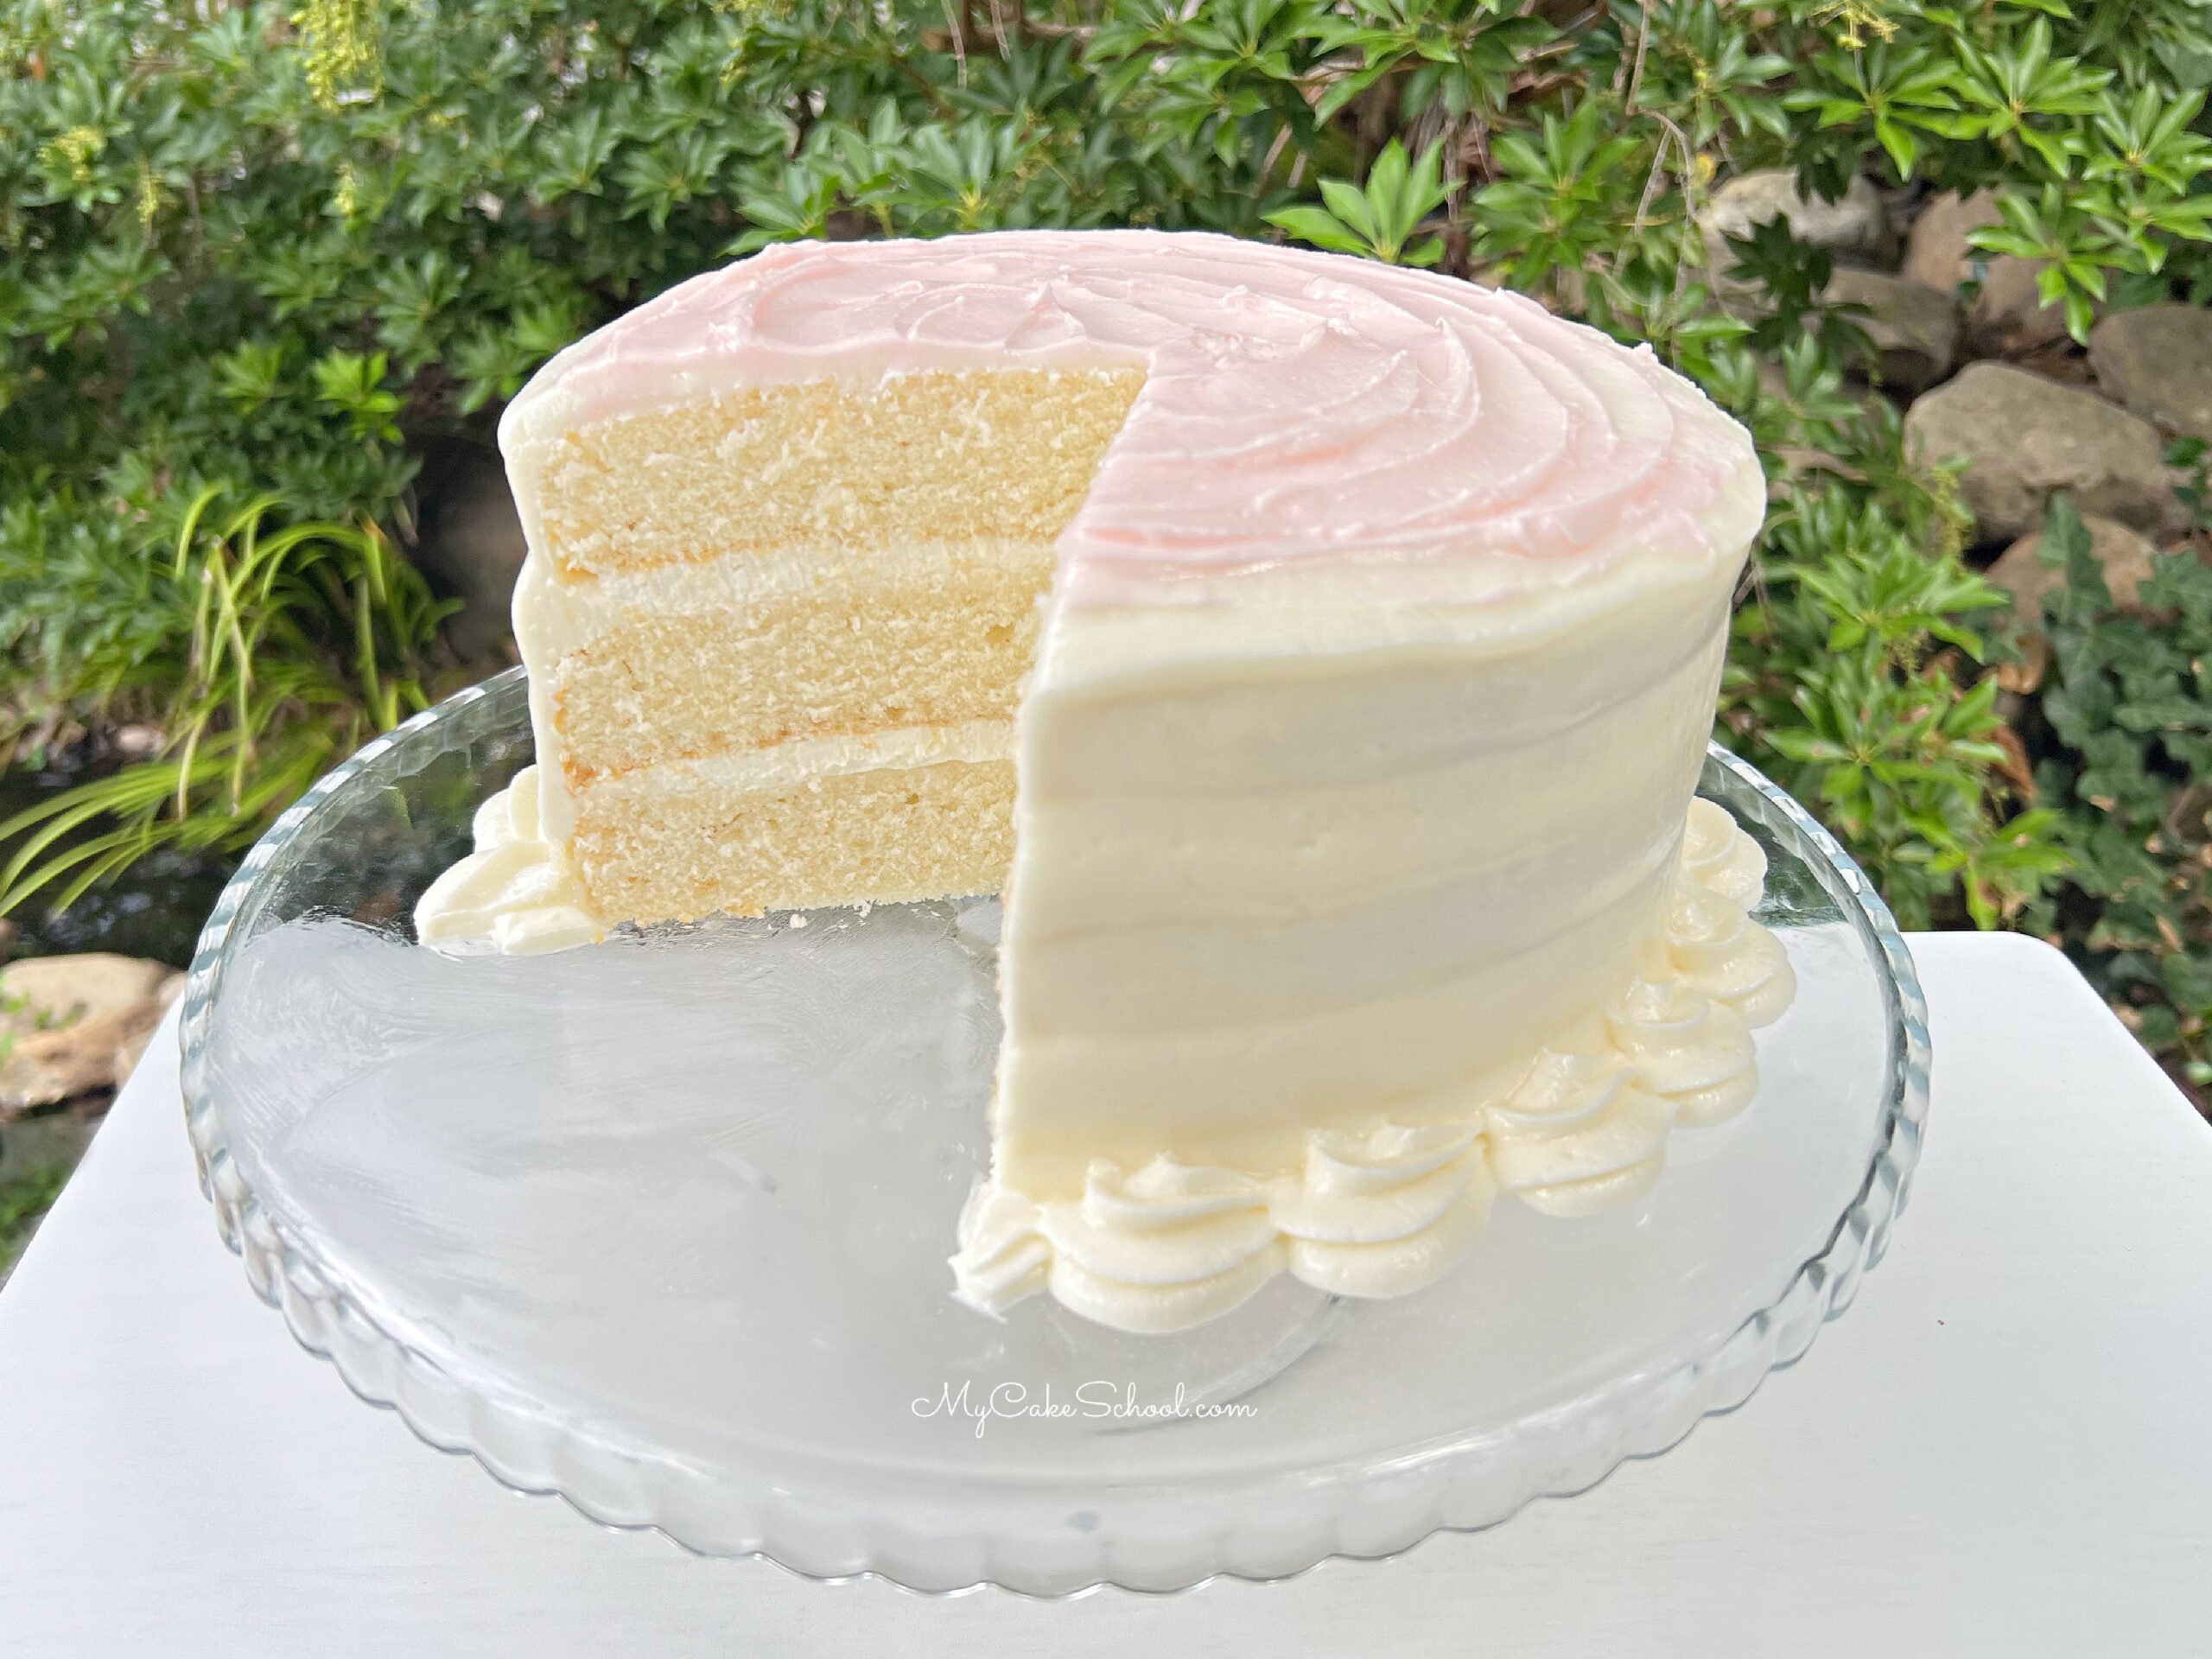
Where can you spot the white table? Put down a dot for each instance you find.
(2005, 1448)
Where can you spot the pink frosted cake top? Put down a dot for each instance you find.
(1296, 405)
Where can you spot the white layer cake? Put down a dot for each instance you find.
(1318, 655)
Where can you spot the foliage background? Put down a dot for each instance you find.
(257, 258)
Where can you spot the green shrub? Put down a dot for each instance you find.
(269, 253)
(2129, 754)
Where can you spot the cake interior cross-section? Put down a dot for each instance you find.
(1317, 656)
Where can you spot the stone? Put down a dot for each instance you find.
(471, 548)
(2125, 555)
(138, 742)
(2006, 313)
(1855, 227)
(66, 1022)
(2157, 360)
(1914, 327)
(2025, 439)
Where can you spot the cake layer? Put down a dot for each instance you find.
(920, 814)
(1116, 982)
(1408, 685)
(694, 660)
(941, 457)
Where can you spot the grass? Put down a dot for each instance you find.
(23, 1201)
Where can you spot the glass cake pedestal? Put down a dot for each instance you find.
(660, 1225)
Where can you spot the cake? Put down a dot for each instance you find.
(1319, 656)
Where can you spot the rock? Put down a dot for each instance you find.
(2006, 313)
(2125, 556)
(138, 742)
(1856, 227)
(1914, 327)
(2157, 361)
(67, 1022)
(2024, 439)
(2124, 553)
(471, 548)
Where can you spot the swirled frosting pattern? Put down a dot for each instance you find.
(1298, 409)
(1384, 1212)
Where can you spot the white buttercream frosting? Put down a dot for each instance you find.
(1385, 1210)
(1581, 1132)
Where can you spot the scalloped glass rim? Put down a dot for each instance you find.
(1364, 1514)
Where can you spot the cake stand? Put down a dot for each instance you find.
(660, 1226)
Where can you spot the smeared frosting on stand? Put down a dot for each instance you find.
(1386, 1212)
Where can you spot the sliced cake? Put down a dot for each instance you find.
(1319, 655)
